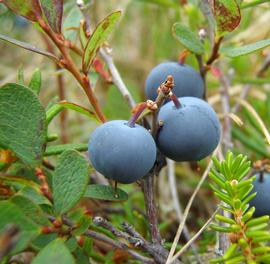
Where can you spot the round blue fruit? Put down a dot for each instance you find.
(261, 201)
(187, 81)
(188, 133)
(120, 152)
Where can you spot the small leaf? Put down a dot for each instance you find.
(224, 219)
(54, 252)
(69, 180)
(234, 52)
(187, 38)
(105, 192)
(97, 39)
(53, 10)
(27, 46)
(57, 108)
(58, 149)
(227, 15)
(80, 109)
(27, 8)
(223, 229)
(22, 123)
(35, 82)
(258, 221)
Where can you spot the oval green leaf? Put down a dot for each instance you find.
(58, 149)
(188, 38)
(99, 36)
(234, 52)
(105, 192)
(22, 123)
(69, 180)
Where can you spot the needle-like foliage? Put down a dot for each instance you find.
(248, 235)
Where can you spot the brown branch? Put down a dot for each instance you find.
(109, 241)
(61, 90)
(215, 52)
(148, 182)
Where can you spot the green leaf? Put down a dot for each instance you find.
(99, 36)
(80, 109)
(27, 8)
(53, 10)
(223, 229)
(105, 192)
(227, 15)
(35, 82)
(69, 180)
(230, 251)
(22, 123)
(58, 149)
(253, 3)
(11, 214)
(28, 46)
(234, 52)
(265, 238)
(224, 219)
(30, 209)
(260, 250)
(258, 221)
(57, 108)
(54, 252)
(248, 214)
(187, 38)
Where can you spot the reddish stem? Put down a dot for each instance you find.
(136, 113)
(68, 64)
(182, 57)
(175, 100)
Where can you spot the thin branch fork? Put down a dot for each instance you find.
(67, 63)
(107, 240)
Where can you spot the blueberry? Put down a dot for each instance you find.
(187, 81)
(189, 133)
(262, 199)
(120, 152)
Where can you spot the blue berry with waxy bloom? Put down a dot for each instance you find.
(261, 201)
(190, 131)
(122, 152)
(187, 81)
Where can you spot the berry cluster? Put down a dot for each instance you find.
(189, 131)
